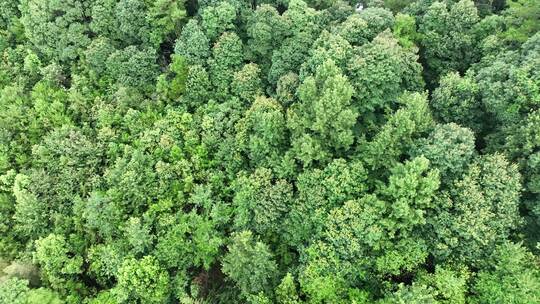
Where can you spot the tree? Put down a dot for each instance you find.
(65, 164)
(478, 212)
(327, 47)
(286, 292)
(173, 83)
(58, 263)
(377, 19)
(249, 263)
(227, 57)
(132, 182)
(104, 22)
(447, 38)
(262, 132)
(261, 202)
(449, 148)
(521, 146)
(13, 291)
(30, 216)
(521, 18)
(8, 12)
(372, 235)
(320, 190)
(321, 123)
(381, 71)
(191, 241)
(355, 30)
(507, 88)
(131, 26)
(133, 67)
(265, 29)
(397, 135)
(246, 83)
(375, 234)
(271, 151)
(193, 44)
(104, 261)
(448, 283)
(142, 280)
(56, 28)
(512, 276)
(218, 19)
(414, 294)
(304, 26)
(456, 100)
(95, 57)
(165, 18)
(197, 86)
(286, 89)
(405, 30)
(8, 245)
(44, 296)
(137, 236)
(101, 215)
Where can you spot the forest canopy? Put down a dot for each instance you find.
(271, 151)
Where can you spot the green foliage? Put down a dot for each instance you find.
(142, 281)
(249, 263)
(193, 43)
(449, 148)
(13, 291)
(397, 135)
(286, 291)
(522, 20)
(371, 236)
(246, 83)
(414, 294)
(55, 28)
(262, 132)
(522, 146)
(104, 260)
(59, 265)
(480, 210)
(380, 71)
(166, 18)
(173, 84)
(265, 29)
(30, 216)
(455, 100)
(190, 241)
(512, 277)
(261, 203)
(355, 30)
(133, 67)
(43, 296)
(218, 19)
(227, 57)
(507, 88)
(448, 284)
(405, 30)
(318, 192)
(303, 24)
(197, 86)
(273, 151)
(321, 123)
(377, 19)
(447, 39)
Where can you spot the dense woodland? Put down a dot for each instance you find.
(275, 151)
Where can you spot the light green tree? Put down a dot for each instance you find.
(321, 122)
(249, 263)
(143, 281)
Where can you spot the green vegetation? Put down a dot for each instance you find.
(271, 151)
